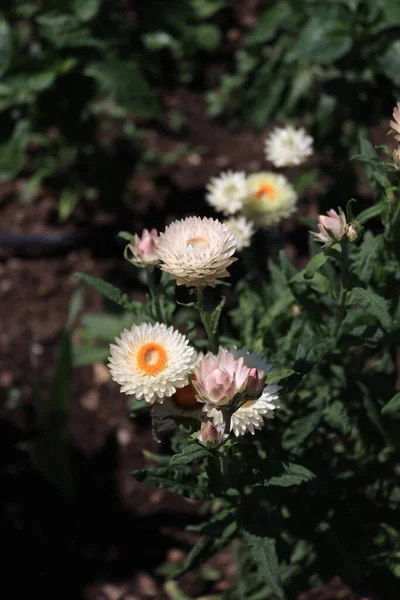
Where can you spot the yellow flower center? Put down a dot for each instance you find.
(196, 241)
(151, 358)
(265, 190)
(247, 403)
(185, 398)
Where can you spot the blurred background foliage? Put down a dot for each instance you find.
(82, 80)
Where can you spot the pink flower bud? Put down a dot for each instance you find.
(209, 435)
(333, 227)
(395, 125)
(255, 382)
(143, 250)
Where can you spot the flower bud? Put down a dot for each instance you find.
(209, 435)
(143, 249)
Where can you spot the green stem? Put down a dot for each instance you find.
(205, 318)
(344, 284)
(154, 295)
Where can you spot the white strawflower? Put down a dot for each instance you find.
(288, 147)
(196, 251)
(182, 404)
(151, 361)
(242, 229)
(271, 198)
(250, 416)
(227, 192)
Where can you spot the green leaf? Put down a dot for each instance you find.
(125, 85)
(208, 37)
(278, 375)
(12, 153)
(315, 264)
(264, 555)
(125, 235)
(216, 315)
(337, 417)
(371, 212)
(375, 305)
(365, 260)
(190, 453)
(393, 405)
(322, 41)
(85, 10)
(268, 24)
(67, 202)
(89, 355)
(292, 475)
(65, 30)
(111, 292)
(296, 434)
(389, 63)
(5, 46)
(205, 9)
(169, 479)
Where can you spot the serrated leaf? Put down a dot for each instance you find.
(365, 260)
(216, 315)
(166, 478)
(278, 375)
(337, 417)
(375, 305)
(392, 406)
(264, 555)
(109, 291)
(293, 474)
(190, 453)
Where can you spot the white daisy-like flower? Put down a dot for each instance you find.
(227, 192)
(288, 147)
(250, 416)
(242, 229)
(151, 361)
(196, 251)
(271, 198)
(182, 404)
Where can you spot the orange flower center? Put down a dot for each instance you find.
(151, 358)
(185, 397)
(265, 190)
(247, 403)
(196, 241)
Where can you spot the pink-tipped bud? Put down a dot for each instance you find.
(209, 435)
(143, 250)
(333, 227)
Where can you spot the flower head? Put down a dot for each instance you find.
(196, 251)
(218, 378)
(210, 435)
(143, 250)
(250, 415)
(151, 361)
(288, 147)
(227, 192)
(395, 124)
(271, 198)
(338, 227)
(242, 229)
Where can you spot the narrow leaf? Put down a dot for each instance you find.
(190, 453)
(278, 375)
(315, 264)
(217, 315)
(375, 305)
(109, 291)
(393, 405)
(264, 555)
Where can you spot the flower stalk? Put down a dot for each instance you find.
(206, 320)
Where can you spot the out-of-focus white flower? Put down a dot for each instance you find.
(227, 192)
(242, 229)
(251, 414)
(395, 124)
(218, 378)
(196, 251)
(337, 226)
(210, 435)
(143, 250)
(288, 147)
(151, 361)
(271, 198)
(182, 404)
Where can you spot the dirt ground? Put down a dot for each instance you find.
(110, 543)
